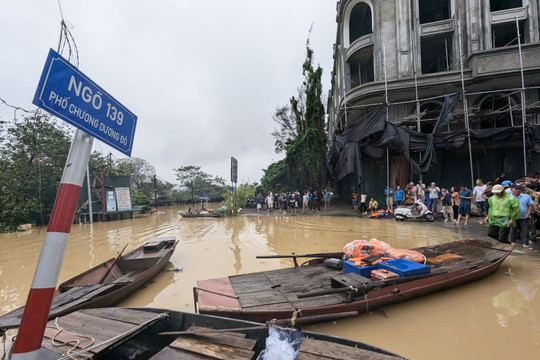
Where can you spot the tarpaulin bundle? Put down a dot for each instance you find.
(372, 135)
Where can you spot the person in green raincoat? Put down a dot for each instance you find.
(503, 212)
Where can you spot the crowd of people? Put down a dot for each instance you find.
(293, 201)
(510, 209)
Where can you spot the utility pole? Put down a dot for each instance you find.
(155, 192)
(103, 198)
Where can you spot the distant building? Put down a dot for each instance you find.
(420, 41)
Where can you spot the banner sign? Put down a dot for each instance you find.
(123, 198)
(66, 92)
(111, 201)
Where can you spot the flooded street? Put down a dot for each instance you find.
(496, 318)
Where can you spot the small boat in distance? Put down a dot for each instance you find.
(200, 214)
(146, 333)
(317, 289)
(107, 283)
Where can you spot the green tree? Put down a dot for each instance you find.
(141, 173)
(242, 192)
(199, 183)
(301, 133)
(32, 158)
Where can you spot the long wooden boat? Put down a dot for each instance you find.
(316, 289)
(107, 283)
(134, 333)
(202, 214)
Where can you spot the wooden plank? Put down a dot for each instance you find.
(94, 326)
(339, 352)
(129, 316)
(216, 351)
(306, 356)
(66, 297)
(279, 306)
(226, 338)
(169, 353)
(315, 301)
(261, 298)
(248, 278)
(248, 287)
(87, 297)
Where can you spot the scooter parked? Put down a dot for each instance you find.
(418, 211)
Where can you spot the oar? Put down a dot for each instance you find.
(114, 262)
(315, 319)
(212, 331)
(306, 320)
(295, 256)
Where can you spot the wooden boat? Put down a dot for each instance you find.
(202, 214)
(316, 289)
(134, 333)
(107, 283)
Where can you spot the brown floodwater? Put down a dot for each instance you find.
(494, 318)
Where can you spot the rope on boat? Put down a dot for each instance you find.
(294, 316)
(128, 332)
(76, 342)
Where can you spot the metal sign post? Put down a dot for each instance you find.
(234, 180)
(67, 93)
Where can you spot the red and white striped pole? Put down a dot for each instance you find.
(232, 202)
(39, 300)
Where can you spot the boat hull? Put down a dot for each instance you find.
(137, 331)
(110, 292)
(375, 298)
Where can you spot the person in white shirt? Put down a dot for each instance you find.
(363, 203)
(305, 202)
(478, 197)
(270, 202)
(433, 198)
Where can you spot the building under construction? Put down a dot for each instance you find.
(437, 89)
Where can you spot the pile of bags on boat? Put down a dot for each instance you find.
(358, 250)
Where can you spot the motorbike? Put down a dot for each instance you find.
(418, 211)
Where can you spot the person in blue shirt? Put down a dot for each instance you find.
(400, 195)
(389, 195)
(522, 224)
(464, 207)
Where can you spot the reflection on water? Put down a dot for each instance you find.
(498, 317)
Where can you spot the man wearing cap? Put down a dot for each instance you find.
(507, 185)
(503, 211)
(525, 206)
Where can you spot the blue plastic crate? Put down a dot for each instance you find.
(404, 267)
(365, 271)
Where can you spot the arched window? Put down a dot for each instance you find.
(496, 5)
(433, 10)
(495, 111)
(361, 67)
(360, 21)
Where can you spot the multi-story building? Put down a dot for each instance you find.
(412, 53)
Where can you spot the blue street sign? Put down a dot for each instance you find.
(66, 92)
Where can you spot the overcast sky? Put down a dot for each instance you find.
(203, 76)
